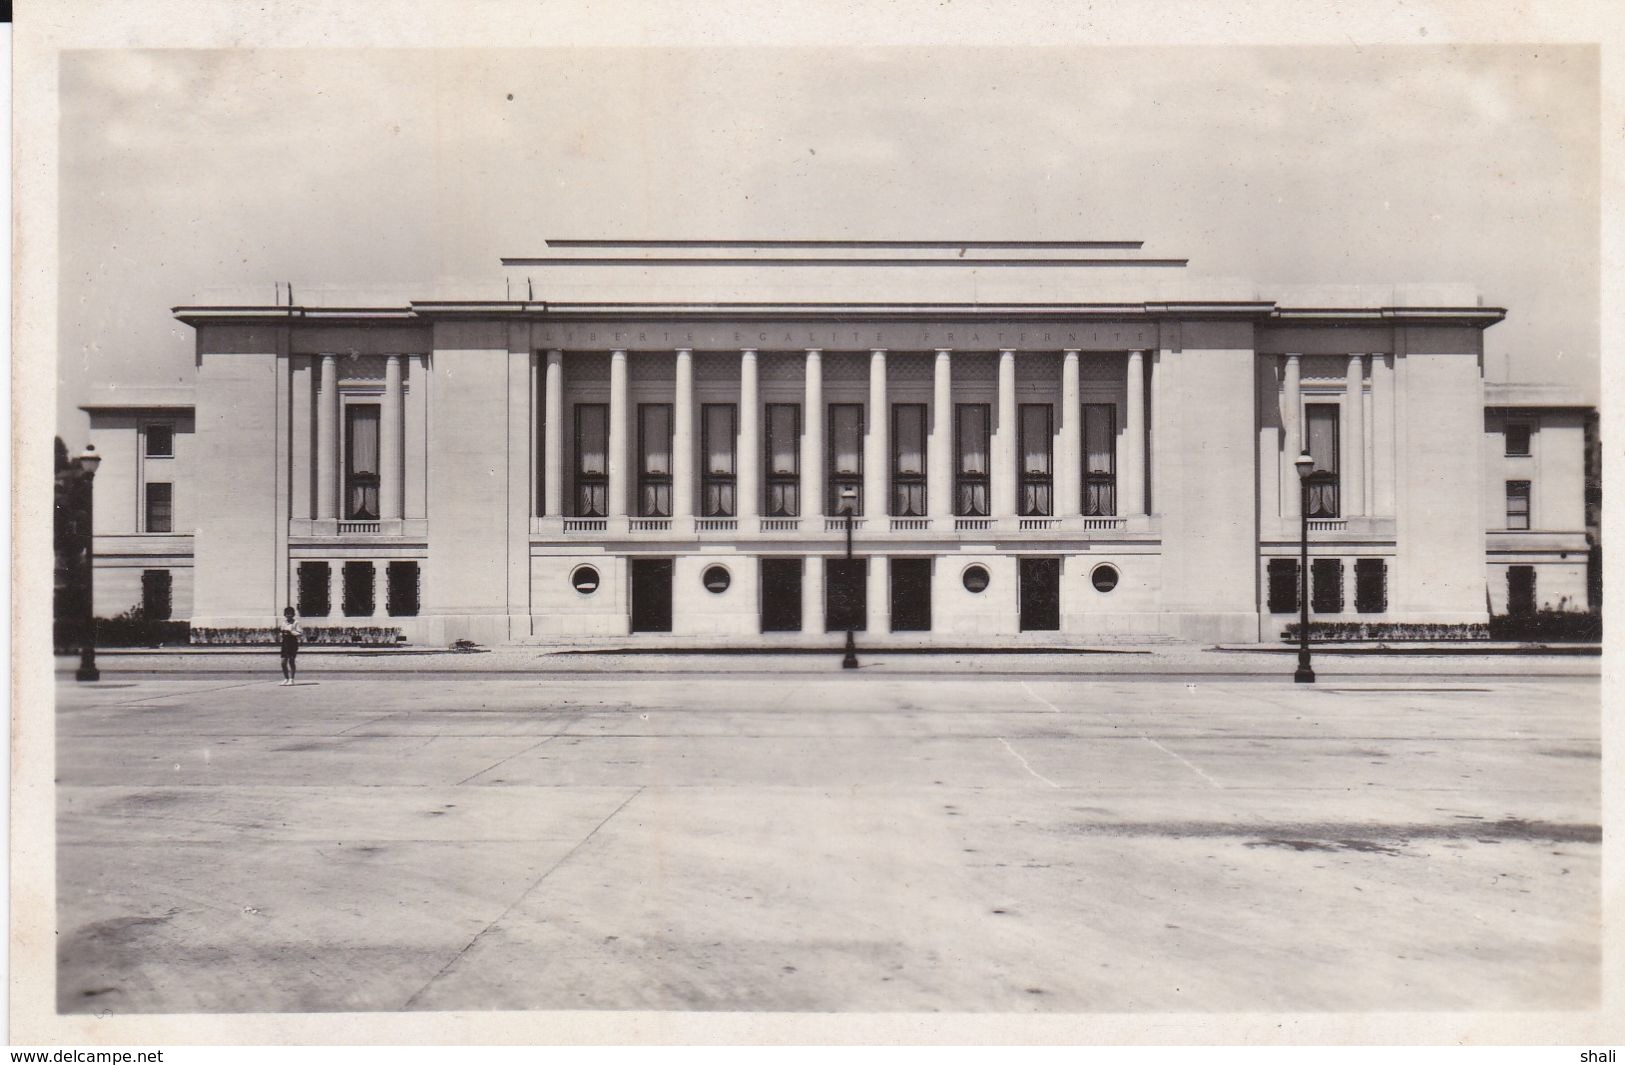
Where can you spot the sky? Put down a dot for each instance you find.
(187, 169)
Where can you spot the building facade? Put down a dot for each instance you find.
(667, 442)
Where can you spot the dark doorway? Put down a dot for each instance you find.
(781, 595)
(1040, 580)
(911, 595)
(651, 595)
(846, 594)
(1520, 589)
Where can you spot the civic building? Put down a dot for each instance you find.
(671, 441)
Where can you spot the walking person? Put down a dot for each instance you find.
(290, 633)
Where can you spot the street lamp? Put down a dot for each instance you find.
(849, 496)
(87, 463)
(1305, 675)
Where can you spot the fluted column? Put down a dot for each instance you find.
(877, 458)
(553, 436)
(1382, 435)
(1131, 475)
(1069, 462)
(749, 459)
(389, 443)
(327, 460)
(1294, 444)
(617, 434)
(1353, 459)
(812, 438)
(1006, 461)
(682, 438)
(939, 466)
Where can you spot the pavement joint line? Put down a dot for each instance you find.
(511, 757)
(1024, 764)
(178, 694)
(1192, 766)
(1028, 689)
(522, 896)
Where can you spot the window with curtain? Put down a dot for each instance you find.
(1035, 442)
(160, 507)
(845, 456)
(908, 459)
(1099, 459)
(361, 462)
(592, 460)
(718, 432)
(1322, 420)
(654, 460)
(1517, 504)
(783, 460)
(971, 444)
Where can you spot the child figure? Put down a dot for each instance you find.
(291, 633)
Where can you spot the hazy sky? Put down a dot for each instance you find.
(187, 169)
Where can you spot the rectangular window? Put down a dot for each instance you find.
(1326, 585)
(1322, 419)
(314, 594)
(160, 507)
(1370, 585)
(358, 589)
(1520, 589)
(654, 460)
(908, 459)
(719, 430)
(361, 462)
(1099, 459)
(157, 602)
(972, 442)
(783, 456)
(1035, 443)
(592, 460)
(845, 457)
(1283, 586)
(1517, 504)
(1517, 436)
(403, 590)
(160, 441)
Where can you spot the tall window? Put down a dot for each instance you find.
(1323, 448)
(361, 462)
(1283, 585)
(1370, 585)
(1517, 436)
(718, 431)
(783, 460)
(654, 460)
(971, 447)
(1521, 590)
(314, 590)
(358, 589)
(1517, 504)
(160, 507)
(160, 441)
(592, 460)
(402, 590)
(1326, 585)
(845, 456)
(908, 459)
(1099, 459)
(157, 602)
(1036, 441)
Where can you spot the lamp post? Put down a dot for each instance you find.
(849, 496)
(87, 464)
(1305, 675)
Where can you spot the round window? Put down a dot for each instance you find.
(584, 579)
(975, 579)
(716, 579)
(1104, 578)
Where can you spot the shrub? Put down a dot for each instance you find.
(1556, 626)
(1348, 631)
(367, 636)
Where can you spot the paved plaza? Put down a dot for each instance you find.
(1171, 831)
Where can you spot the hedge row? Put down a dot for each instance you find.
(1546, 626)
(1549, 626)
(1338, 631)
(371, 636)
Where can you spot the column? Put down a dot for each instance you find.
(1069, 464)
(617, 434)
(389, 442)
(879, 591)
(748, 461)
(380, 589)
(1293, 444)
(939, 469)
(1131, 475)
(1156, 439)
(1352, 465)
(682, 438)
(812, 596)
(877, 452)
(812, 439)
(1004, 458)
(301, 423)
(553, 436)
(327, 460)
(1382, 435)
(335, 588)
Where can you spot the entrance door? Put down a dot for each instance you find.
(846, 594)
(1040, 587)
(781, 595)
(651, 595)
(911, 595)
